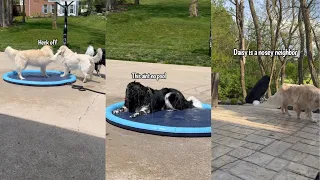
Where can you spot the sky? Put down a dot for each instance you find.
(260, 7)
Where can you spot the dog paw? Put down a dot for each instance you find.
(115, 112)
(314, 120)
(134, 115)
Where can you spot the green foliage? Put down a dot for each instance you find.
(229, 86)
(223, 61)
(234, 101)
(223, 37)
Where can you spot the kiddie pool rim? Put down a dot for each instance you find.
(155, 129)
(71, 79)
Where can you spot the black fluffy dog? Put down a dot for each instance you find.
(97, 65)
(142, 100)
(258, 90)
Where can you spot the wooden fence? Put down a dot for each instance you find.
(214, 89)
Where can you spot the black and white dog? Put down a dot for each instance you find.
(90, 51)
(142, 100)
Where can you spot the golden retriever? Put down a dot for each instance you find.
(301, 97)
(35, 57)
(84, 62)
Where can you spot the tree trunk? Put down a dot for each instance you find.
(7, 17)
(111, 4)
(283, 73)
(276, 80)
(136, 2)
(301, 55)
(274, 39)
(307, 27)
(11, 12)
(287, 44)
(23, 11)
(241, 46)
(3, 17)
(214, 89)
(54, 17)
(193, 9)
(1, 13)
(316, 40)
(258, 34)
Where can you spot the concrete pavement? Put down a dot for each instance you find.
(131, 155)
(256, 143)
(62, 107)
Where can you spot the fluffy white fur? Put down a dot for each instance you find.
(83, 62)
(301, 97)
(90, 51)
(196, 103)
(35, 57)
(167, 102)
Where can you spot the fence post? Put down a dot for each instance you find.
(214, 89)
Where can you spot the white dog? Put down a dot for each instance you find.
(83, 62)
(305, 97)
(35, 57)
(90, 51)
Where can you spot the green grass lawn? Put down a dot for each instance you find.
(160, 31)
(82, 31)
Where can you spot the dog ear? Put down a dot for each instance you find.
(62, 50)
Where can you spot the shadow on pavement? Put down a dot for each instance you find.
(31, 150)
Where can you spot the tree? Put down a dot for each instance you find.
(54, 17)
(241, 46)
(6, 13)
(10, 11)
(258, 36)
(274, 35)
(136, 2)
(307, 26)
(2, 14)
(23, 11)
(193, 9)
(111, 4)
(301, 55)
(286, 43)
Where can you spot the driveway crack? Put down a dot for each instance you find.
(85, 113)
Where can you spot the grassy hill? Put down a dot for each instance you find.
(82, 31)
(160, 31)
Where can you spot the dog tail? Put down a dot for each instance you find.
(195, 102)
(11, 52)
(97, 57)
(90, 51)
